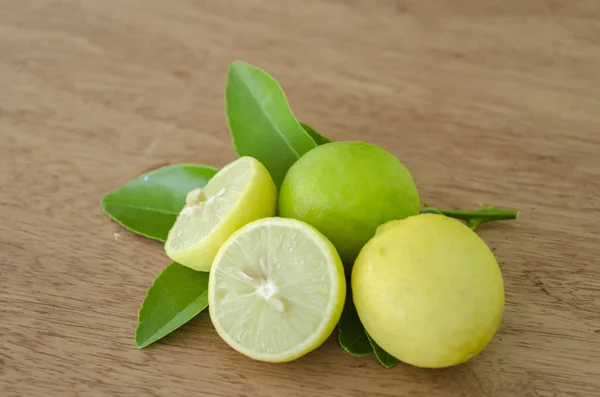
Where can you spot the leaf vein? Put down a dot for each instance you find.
(149, 209)
(267, 114)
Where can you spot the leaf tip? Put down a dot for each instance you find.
(239, 65)
(104, 200)
(141, 345)
(138, 344)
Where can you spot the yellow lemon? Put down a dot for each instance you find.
(428, 290)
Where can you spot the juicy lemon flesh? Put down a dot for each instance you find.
(276, 290)
(221, 195)
(428, 290)
(239, 193)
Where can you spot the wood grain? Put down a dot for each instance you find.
(497, 102)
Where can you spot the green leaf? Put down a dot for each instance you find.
(176, 296)
(261, 121)
(352, 336)
(318, 138)
(384, 358)
(149, 204)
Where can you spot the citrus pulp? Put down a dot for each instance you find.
(276, 290)
(239, 193)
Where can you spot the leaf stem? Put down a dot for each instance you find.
(490, 213)
(477, 217)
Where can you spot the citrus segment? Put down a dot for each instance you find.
(276, 290)
(239, 193)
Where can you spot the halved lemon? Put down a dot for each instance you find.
(241, 192)
(276, 290)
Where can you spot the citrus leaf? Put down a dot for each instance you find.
(384, 358)
(318, 138)
(176, 296)
(149, 204)
(352, 336)
(261, 122)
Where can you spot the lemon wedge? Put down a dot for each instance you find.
(276, 290)
(241, 192)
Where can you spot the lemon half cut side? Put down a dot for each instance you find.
(238, 194)
(276, 290)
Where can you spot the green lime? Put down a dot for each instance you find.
(428, 290)
(276, 290)
(346, 190)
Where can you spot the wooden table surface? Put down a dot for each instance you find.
(498, 103)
